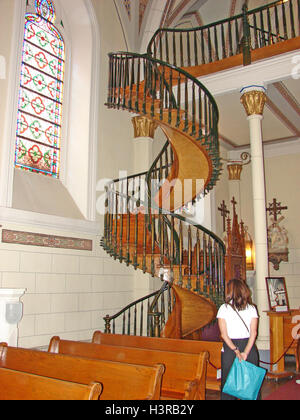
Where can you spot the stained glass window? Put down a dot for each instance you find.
(41, 93)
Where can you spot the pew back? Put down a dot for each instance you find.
(184, 376)
(170, 344)
(134, 382)
(16, 385)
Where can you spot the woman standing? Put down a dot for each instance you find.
(238, 323)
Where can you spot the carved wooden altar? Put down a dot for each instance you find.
(235, 259)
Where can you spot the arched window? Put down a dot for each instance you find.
(39, 120)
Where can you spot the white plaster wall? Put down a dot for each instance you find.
(68, 292)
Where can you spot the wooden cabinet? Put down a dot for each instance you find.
(284, 327)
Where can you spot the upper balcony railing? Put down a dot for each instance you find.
(250, 30)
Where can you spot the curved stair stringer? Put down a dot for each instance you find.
(191, 313)
(130, 237)
(193, 170)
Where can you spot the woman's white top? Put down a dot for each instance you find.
(235, 326)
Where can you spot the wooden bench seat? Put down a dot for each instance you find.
(134, 382)
(170, 344)
(184, 376)
(16, 385)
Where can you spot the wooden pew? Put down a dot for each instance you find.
(170, 344)
(16, 385)
(120, 381)
(184, 376)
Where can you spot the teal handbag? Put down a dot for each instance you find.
(244, 380)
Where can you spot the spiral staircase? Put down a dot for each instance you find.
(143, 226)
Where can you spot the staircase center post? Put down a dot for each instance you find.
(144, 130)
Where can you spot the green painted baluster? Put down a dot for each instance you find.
(298, 3)
(198, 262)
(124, 81)
(293, 32)
(181, 50)
(216, 44)
(178, 100)
(284, 20)
(200, 134)
(136, 230)
(202, 47)
(209, 45)
(210, 269)
(277, 24)
(224, 55)
(145, 240)
(188, 49)
(152, 244)
(237, 37)
(180, 282)
(160, 48)
(138, 85)
(161, 94)
(193, 133)
(269, 26)
(145, 85)
(167, 48)
(195, 48)
(262, 28)
(172, 247)
(205, 277)
(255, 32)
(190, 251)
(186, 105)
(230, 39)
(246, 38)
(132, 83)
(174, 50)
(170, 96)
(121, 224)
(110, 81)
(142, 319)
(120, 69)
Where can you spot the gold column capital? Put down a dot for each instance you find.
(143, 127)
(254, 102)
(235, 170)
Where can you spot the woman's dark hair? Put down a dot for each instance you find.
(238, 294)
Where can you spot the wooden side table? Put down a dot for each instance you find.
(281, 338)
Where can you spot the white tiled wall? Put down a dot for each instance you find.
(68, 292)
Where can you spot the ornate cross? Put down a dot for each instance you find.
(275, 208)
(224, 212)
(234, 203)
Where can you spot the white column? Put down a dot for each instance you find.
(11, 312)
(144, 130)
(254, 100)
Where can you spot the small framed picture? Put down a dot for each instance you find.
(277, 294)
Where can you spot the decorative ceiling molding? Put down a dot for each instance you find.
(179, 10)
(167, 9)
(288, 96)
(282, 117)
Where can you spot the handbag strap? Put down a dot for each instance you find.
(239, 317)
